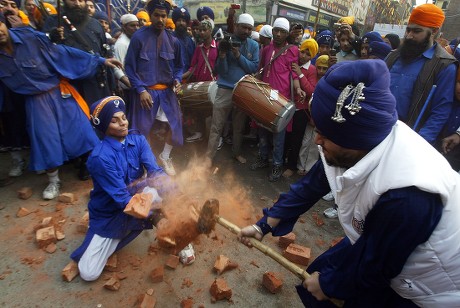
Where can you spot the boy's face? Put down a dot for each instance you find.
(324, 49)
(118, 127)
(321, 71)
(345, 43)
(304, 56)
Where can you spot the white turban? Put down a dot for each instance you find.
(281, 23)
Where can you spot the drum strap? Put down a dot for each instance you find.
(207, 62)
(261, 71)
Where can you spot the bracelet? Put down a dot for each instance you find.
(458, 133)
(301, 75)
(257, 228)
(264, 227)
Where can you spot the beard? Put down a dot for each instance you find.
(410, 49)
(77, 16)
(181, 30)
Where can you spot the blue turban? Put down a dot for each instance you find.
(204, 10)
(372, 36)
(103, 110)
(101, 15)
(180, 13)
(325, 37)
(379, 49)
(158, 4)
(373, 122)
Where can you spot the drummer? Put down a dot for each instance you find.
(235, 60)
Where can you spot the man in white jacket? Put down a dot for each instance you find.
(397, 200)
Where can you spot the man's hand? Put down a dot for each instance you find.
(146, 100)
(177, 87)
(450, 142)
(249, 232)
(236, 52)
(312, 285)
(112, 62)
(300, 93)
(15, 21)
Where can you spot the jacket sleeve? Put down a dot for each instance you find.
(250, 61)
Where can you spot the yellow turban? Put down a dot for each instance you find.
(427, 15)
(170, 24)
(48, 7)
(259, 27)
(322, 61)
(143, 15)
(348, 20)
(311, 45)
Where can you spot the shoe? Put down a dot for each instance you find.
(18, 167)
(288, 173)
(328, 197)
(331, 212)
(168, 165)
(194, 137)
(221, 143)
(259, 164)
(275, 174)
(240, 159)
(51, 191)
(187, 255)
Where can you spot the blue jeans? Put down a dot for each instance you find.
(278, 145)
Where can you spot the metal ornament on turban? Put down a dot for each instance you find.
(103, 110)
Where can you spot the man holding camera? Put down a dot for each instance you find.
(238, 56)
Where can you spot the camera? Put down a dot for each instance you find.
(228, 42)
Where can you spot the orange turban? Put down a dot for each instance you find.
(427, 15)
(170, 24)
(143, 15)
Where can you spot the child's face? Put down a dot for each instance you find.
(118, 127)
(321, 71)
(304, 56)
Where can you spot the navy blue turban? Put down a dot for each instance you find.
(325, 37)
(158, 4)
(204, 10)
(372, 36)
(103, 110)
(379, 49)
(101, 15)
(180, 13)
(373, 122)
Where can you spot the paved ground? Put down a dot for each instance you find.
(30, 277)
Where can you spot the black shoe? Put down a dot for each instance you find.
(275, 174)
(83, 173)
(259, 164)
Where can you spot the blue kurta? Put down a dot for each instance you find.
(117, 169)
(153, 59)
(188, 48)
(360, 273)
(57, 127)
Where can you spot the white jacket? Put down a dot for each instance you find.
(431, 275)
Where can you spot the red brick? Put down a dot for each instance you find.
(51, 248)
(60, 235)
(146, 301)
(298, 254)
(139, 205)
(112, 262)
(271, 282)
(45, 236)
(157, 274)
(25, 193)
(336, 240)
(223, 264)
(186, 303)
(219, 290)
(67, 198)
(285, 240)
(22, 212)
(82, 226)
(172, 262)
(70, 271)
(112, 284)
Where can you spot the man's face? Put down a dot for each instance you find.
(9, 6)
(324, 49)
(130, 28)
(105, 25)
(243, 31)
(264, 41)
(205, 17)
(418, 34)
(91, 8)
(118, 127)
(345, 43)
(279, 36)
(336, 155)
(73, 4)
(4, 35)
(416, 41)
(304, 56)
(158, 19)
(181, 25)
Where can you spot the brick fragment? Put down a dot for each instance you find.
(67, 198)
(70, 271)
(223, 264)
(51, 248)
(112, 262)
(172, 262)
(82, 226)
(60, 235)
(121, 275)
(146, 301)
(139, 205)
(271, 282)
(25, 193)
(22, 212)
(45, 236)
(186, 303)
(149, 292)
(157, 274)
(298, 254)
(285, 240)
(112, 284)
(335, 241)
(219, 290)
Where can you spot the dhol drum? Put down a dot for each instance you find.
(267, 106)
(198, 95)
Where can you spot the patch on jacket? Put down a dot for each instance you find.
(358, 225)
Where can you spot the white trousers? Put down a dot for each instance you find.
(308, 154)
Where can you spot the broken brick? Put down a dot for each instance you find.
(112, 284)
(336, 240)
(172, 262)
(51, 248)
(298, 254)
(67, 198)
(285, 240)
(22, 212)
(149, 292)
(111, 264)
(82, 226)
(139, 206)
(186, 303)
(25, 193)
(157, 274)
(271, 282)
(70, 271)
(223, 264)
(60, 235)
(121, 275)
(219, 290)
(146, 301)
(45, 236)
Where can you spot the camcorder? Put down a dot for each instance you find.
(228, 42)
